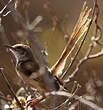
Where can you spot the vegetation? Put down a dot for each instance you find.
(48, 37)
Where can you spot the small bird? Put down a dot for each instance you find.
(28, 69)
(27, 66)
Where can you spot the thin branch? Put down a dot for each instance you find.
(10, 88)
(74, 58)
(96, 39)
(71, 77)
(35, 22)
(92, 45)
(1, 26)
(2, 11)
(98, 28)
(99, 54)
(79, 98)
(75, 89)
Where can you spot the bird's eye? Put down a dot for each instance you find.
(19, 47)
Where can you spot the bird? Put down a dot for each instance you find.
(28, 67)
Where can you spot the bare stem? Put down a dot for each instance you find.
(10, 88)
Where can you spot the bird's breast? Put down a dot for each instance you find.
(27, 67)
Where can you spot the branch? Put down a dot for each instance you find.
(2, 11)
(79, 98)
(10, 88)
(95, 39)
(83, 60)
(73, 92)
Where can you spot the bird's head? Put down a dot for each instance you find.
(20, 51)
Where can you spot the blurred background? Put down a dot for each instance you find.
(53, 32)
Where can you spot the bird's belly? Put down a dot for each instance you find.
(36, 79)
(37, 84)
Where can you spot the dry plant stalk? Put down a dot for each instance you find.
(79, 30)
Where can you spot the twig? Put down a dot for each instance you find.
(99, 54)
(35, 22)
(74, 58)
(71, 77)
(2, 11)
(1, 26)
(10, 88)
(98, 28)
(82, 100)
(95, 39)
(75, 89)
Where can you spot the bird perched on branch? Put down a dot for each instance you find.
(27, 66)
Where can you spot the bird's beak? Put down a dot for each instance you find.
(9, 47)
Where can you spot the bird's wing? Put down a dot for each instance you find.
(78, 31)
